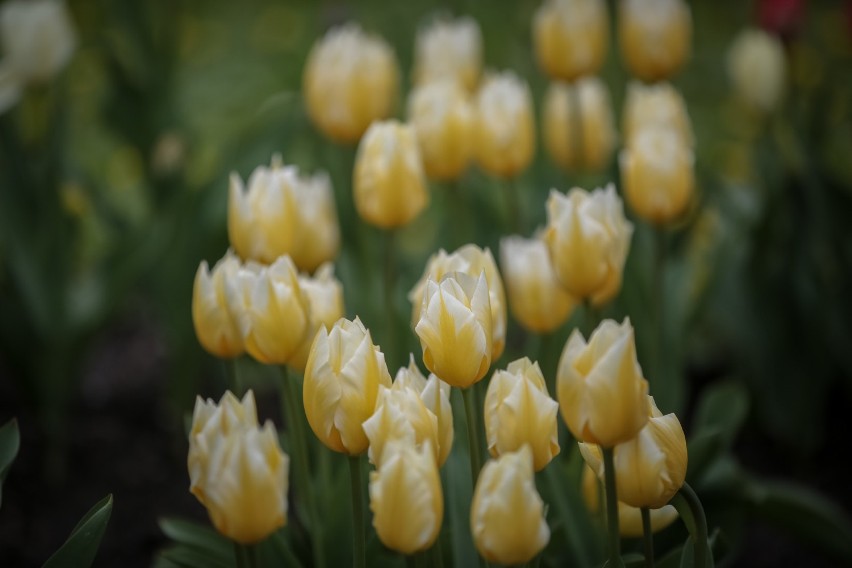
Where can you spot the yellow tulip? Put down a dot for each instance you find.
(519, 411)
(37, 39)
(237, 469)
(659, 105)
(449, 50)
(406, 498)
(654, 36)
(350, 80)
(571, 37)
(388, 183)
(216, 328)
(324, 293)
(602, 393)
(507, 513)
(504, 128)
(400, 415)
(342, 379)
(588, 238)
(757, 69)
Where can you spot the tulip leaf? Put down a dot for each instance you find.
(723, 408)
(195, 535)
(10, 442)
(82, 545)
(687, 557)
(189, 557)
(703, 449)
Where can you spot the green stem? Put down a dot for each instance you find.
(234, 380)
(390, 339)
(472, 433)
(611, 509)
(592, 317)
(436, 555)
(241, 557)
(359, 559)
(514, 207)
(648, 537)
(689, 507)
(658, 293)
(576, 135)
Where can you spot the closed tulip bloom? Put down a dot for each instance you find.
(602, 393)
(449, 50)
(350, 80)
(519, 411)
(504, 131)
(389, 185)
(342, 379)
(455, 328)
(37, 39)
(588, 238)
(216, 328)
(406, 498)
(317, 229)
(571, 37)
(757, 69)
(324, 293)
(442, 118)
(536, 297)
(507, 513)
(400, 415)
(655, 37)
(656, 106)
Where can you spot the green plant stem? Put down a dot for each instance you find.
(592, 317)
(234, 380)
(244, 555)
(690, 509)
(658, 293)
(648, 537)
(359, 555)
(514, 207)
(611, 509)
(390, 338)
(575, 136)
(472, 433)
(435, 554)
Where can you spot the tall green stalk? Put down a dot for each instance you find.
(692, 512)
(472, 433)
(390, 339)
(359, 550)
(611, 509)
(648, 537)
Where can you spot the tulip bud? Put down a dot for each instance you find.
(654, 36)
(656, 106)
(400, 415)
(536, 298)
(324, 293)
(571, 37)
(471, 260)
(216, 328)
(389, 186)
(578, 124)
(588, 238)
(442, 118)
(519, 411)
(757, 69)
(504, 130)
(449, 50)
(37, 39)
(342, 379)
(237, 470)
(602, 393)
(406, 498)
(507, 513)
(350, 80)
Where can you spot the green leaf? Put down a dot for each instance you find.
(82, 545)
(10, 442)
(195, 535)
(703, 449)
(190, 557)
(723, 408)
(687, 558)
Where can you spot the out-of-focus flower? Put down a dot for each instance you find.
(588, 238)
(455, 328)
(324, 293)
(350, 80)
(281, 213)
(602, 393)
(406, 498)
(442, 118)
(782, 17)
(507, 513)
(449, 50)
(519, 411)
(400, 415)
(656, 106)
(504, 131)
(342, 379)
(578, 124)
(216, 328)
(389, 185)
(571, 37)
(471, 260)
(37, 38)
(237, 469)
(757, 68)
(657, 175)
(655, 37)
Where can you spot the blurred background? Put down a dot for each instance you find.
(113, 187)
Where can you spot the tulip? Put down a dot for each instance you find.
(519, 412)
(602, 393)
(324, 293)
(350, 80)
(757, 69)
(654, 36)
(342, 379)
(400, 415)
(449, 50)
(504, 130)
(570, 37)
(656, 106)
(389, 185)
(216, 328)
(588, 239)
(442, 118)
(317, 229)
(536, 298)
(406, 498)
(37, 39)
(507, 513)
(455, 328)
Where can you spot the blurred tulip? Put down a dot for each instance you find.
(783, 17)
(757, 68)
(37, 39)
(655, 37)
(216, 328)
(519, 411)
(504, 130)
(588, 238)
(342, 379)
(324, 293)
(388, 183)
(449, 50)
(656, 106)
(400, 415)
(350, 80)
(571, 37)
(406, 498)
(602, 393)
(507, 513)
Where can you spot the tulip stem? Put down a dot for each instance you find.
(244, 555)
(390, 305)
(472, 433)
(689, 507)
(514, 207)
(359, 558)
(658, 295)
(576, 137)
(233, 376)
(648, 536)
(611, 509)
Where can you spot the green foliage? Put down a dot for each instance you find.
(82, 545)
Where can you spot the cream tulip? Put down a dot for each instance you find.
(757, 69)
(656, 106)
(216, 328)
(400, 415)
(324, 293)
(571, 37)
(449, 50)
(654, 36)
(37, 39)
